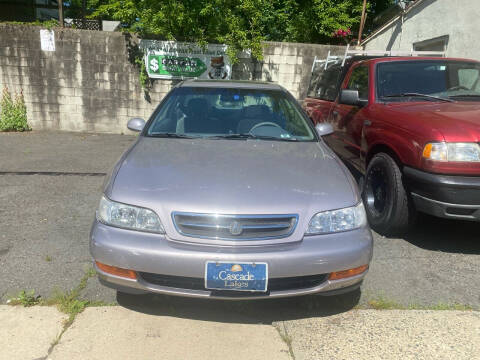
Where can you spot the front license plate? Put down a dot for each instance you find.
(236, 276)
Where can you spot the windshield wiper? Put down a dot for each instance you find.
(251, 136)
(266, 137)
(171, 135)
(233, 136)
(413, 94)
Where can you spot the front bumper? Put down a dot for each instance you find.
(447, 196)
(156, 254)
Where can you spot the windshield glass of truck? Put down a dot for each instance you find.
(455, 80)
(229, 113)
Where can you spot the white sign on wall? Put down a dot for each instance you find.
(178, 60)
(47, 40)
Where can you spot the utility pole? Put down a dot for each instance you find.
(60, 13)
(84, 13)
(362, 22)
(84, 9)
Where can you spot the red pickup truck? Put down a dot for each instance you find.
(410, 128)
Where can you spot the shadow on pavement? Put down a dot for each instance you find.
(244, 311)
(445, 235)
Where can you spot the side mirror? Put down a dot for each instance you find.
(136, 124)
(350, 97)
(324, 128)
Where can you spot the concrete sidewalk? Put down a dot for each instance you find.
(119, 333)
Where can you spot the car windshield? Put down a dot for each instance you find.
(439, 79)
(230, 113)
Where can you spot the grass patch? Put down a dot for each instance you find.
(442, 306)
(68, 302)
(25, 298)
(382, 303)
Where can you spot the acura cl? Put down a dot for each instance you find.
(230, 192)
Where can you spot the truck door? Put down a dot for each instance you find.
(348, 121)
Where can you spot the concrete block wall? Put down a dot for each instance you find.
(89, 84)
(288, 64)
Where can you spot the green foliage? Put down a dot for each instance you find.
(241, 24)
(144, 79)
(75, 10)
(49, 24)
(315, 21)
(13, 112)
(236, 23)
(25, 298)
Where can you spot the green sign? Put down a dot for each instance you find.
(175, 66)
(179, 60)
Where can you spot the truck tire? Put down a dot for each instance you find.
(387, 203)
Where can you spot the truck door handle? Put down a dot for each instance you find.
(367, 123)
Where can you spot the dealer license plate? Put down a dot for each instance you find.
(236, 276)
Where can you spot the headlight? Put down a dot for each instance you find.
(128, 216)
(452, 151)
(337, 220)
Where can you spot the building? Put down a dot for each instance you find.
(28, 10)
(430, 25)
(42, 10)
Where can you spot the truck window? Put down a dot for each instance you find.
(359, 81)
(327, 86)
(444, 78)
(468, 78)
(324, 85)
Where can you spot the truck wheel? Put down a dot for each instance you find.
(387, 203)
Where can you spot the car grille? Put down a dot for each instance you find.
(234, 227)
(274, 284)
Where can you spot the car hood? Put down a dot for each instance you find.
(456, 121)
(232, 177)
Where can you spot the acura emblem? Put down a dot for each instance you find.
(235, 228)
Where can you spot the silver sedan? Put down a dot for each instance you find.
(229, 192)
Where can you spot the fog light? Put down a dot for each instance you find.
(113, 270)
(337, 275)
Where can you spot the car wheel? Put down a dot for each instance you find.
(387, 203)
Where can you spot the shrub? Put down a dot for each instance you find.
(13, 112)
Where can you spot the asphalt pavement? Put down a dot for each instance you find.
(50, 184)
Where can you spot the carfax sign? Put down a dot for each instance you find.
(177, 60)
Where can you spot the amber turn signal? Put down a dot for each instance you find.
(337, 275)
(113, 270)
(427, 151)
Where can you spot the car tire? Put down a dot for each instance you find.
(387, 202)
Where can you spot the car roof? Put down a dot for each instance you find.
(231, 84)
(416, 58)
